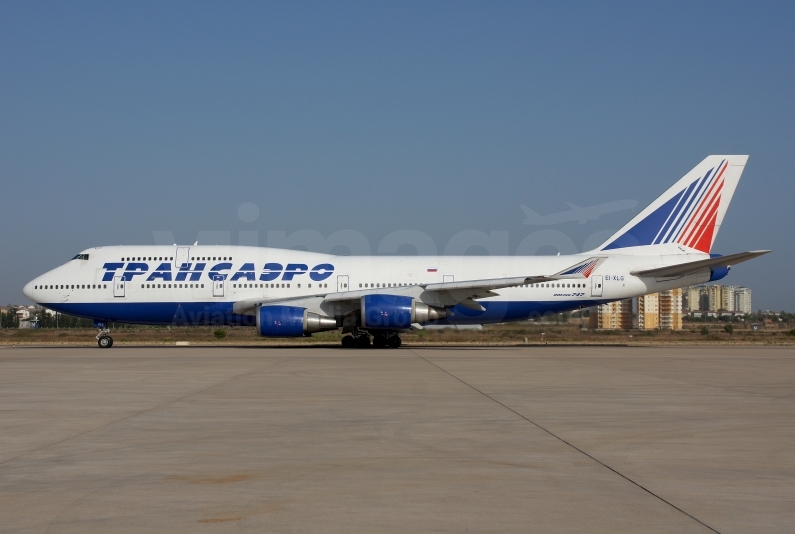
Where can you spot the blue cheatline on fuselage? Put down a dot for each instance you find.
(221, 313)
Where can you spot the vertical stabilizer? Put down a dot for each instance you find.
(688, 214)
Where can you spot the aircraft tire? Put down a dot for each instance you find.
(395, 342)
(363, 342)
(379, 342)
(348, 342)
(105, 342)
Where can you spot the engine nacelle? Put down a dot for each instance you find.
(394, 311)
(291, 321)
(718, 272)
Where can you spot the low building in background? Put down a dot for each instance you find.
(612, 316)
(661, 310)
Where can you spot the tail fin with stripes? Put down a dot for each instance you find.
(689, 214)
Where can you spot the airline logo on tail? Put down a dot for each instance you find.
(581, 270)
(689, 217)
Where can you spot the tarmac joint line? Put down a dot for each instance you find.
(647, 490)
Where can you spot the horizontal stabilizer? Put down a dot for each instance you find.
(682, 269)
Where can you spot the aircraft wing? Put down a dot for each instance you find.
(487, 284)
(464, 292)
(576, 271)
(683, 269)
(444, 294)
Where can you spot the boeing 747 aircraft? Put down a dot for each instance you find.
(287, 293)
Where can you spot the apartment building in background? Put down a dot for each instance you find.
(612, 316)
(661, 310)
(717, 298)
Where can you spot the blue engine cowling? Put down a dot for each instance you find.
(291, 321)
(396, 312)
(717, 273)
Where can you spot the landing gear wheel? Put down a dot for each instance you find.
(395, 342)
(363, 342)
(105, 342)
(348, 342)
(379, 342)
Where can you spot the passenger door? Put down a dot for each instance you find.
(218, 286)
(181, 257)
(596, 285)
(342, 283)
(118, 286)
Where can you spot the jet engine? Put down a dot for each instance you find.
(291, 321)
(716, 273)
(397, 312)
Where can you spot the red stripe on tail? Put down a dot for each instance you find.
(706, 215)
(697, 213)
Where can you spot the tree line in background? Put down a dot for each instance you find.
(9, 319)
(758, 317)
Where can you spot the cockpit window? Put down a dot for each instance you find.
(81, 257)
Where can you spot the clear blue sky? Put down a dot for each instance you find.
(121, 119)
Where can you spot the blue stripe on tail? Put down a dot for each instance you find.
(646, 230)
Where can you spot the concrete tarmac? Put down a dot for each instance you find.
(528, 439)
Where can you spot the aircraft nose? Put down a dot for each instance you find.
(28, 290)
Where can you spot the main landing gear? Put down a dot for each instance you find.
(361, 339)
(104, 340)
(391, 340)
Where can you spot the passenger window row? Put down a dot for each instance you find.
(73, 286)
(272, 286)
(250, 286)
(167, 286)
(395, 284)
(171, 258)
(581, 286)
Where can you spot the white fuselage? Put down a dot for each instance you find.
(201, 284)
